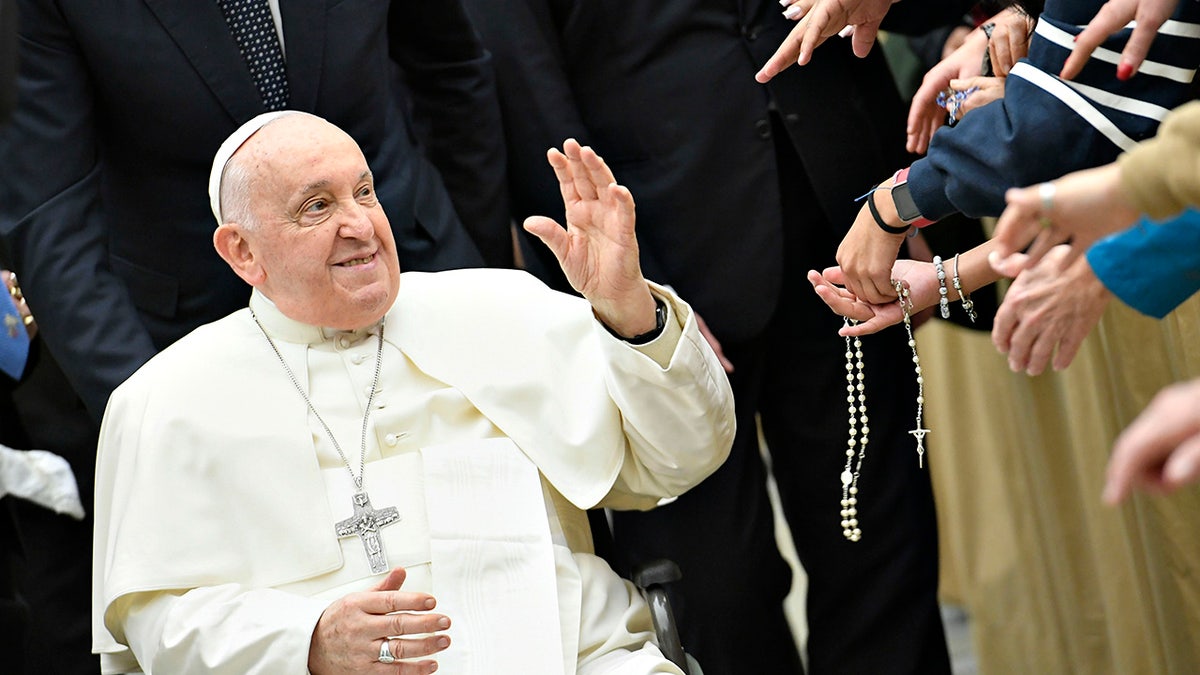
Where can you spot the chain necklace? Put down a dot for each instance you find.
(366, 521)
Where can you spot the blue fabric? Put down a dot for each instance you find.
(14, 340)
(1152, 266)
(1030, 136)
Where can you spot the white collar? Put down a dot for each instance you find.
(283, 327)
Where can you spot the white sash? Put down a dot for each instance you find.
(492, 560)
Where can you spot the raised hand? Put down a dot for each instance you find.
(597, 250)
(351, 632)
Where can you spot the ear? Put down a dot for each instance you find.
(234, 248)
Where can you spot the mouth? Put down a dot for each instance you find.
(355, 262)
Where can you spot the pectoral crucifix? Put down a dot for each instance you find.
(365, 523)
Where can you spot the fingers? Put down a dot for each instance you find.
(1018, 224)
(599, 176)
(553, 235)
(714, 343)
(393, 581)
(1004, 324)
(1027, 334)
(1137, 48)
(387, 602)
(412, 648)
(1000, 52)
(1145, 452)
(840, 300)
(562, 171)
(577, 170)
(787, 54)
(864, 38)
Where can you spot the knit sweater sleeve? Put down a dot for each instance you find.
(1162, 174)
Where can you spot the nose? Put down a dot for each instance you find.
(355, 222)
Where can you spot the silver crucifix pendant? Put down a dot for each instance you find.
(919, 434)
(365, 523)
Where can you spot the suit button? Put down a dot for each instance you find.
(764, 129)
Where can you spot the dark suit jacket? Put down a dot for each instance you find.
(665, 91)
(122, 104)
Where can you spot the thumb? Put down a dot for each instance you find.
(393, 581)
(550, 232)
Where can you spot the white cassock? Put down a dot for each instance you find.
(503, 409)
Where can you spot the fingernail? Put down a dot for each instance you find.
(443, 642)
(443, 623)
(1124, 71)
(1074, 38)
(430, 603)
(791, 12)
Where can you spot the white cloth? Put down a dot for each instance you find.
(212, 548)
(42, 477)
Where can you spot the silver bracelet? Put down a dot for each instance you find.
(967, 303)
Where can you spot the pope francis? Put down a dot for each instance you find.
(369, 472)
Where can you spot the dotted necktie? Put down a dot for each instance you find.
(254, 30)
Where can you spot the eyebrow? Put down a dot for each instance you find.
(321, 184)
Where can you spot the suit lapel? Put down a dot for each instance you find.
(304, 35)
(200, 31)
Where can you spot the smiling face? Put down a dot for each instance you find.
(315, 239)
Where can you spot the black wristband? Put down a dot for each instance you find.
(660, 322)
(890, 229)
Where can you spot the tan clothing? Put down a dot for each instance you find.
(1162, 174)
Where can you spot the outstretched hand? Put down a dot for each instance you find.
(925, 116)
(1048, 311)
(598, 250)
(1083, 207)
(1113, 16)
(817, 20)
(351, 632)
(874, 317)
(1160, 451)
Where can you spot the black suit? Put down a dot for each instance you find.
(104, 168)
(665, 91)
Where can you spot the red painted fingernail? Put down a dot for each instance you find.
(1124, 71)
(1074, 38)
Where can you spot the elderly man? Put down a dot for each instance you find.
(292, 486)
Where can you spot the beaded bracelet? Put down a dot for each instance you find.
(943, 299)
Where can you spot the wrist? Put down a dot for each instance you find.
(641, 337)
(883, 211)
(902, 201)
